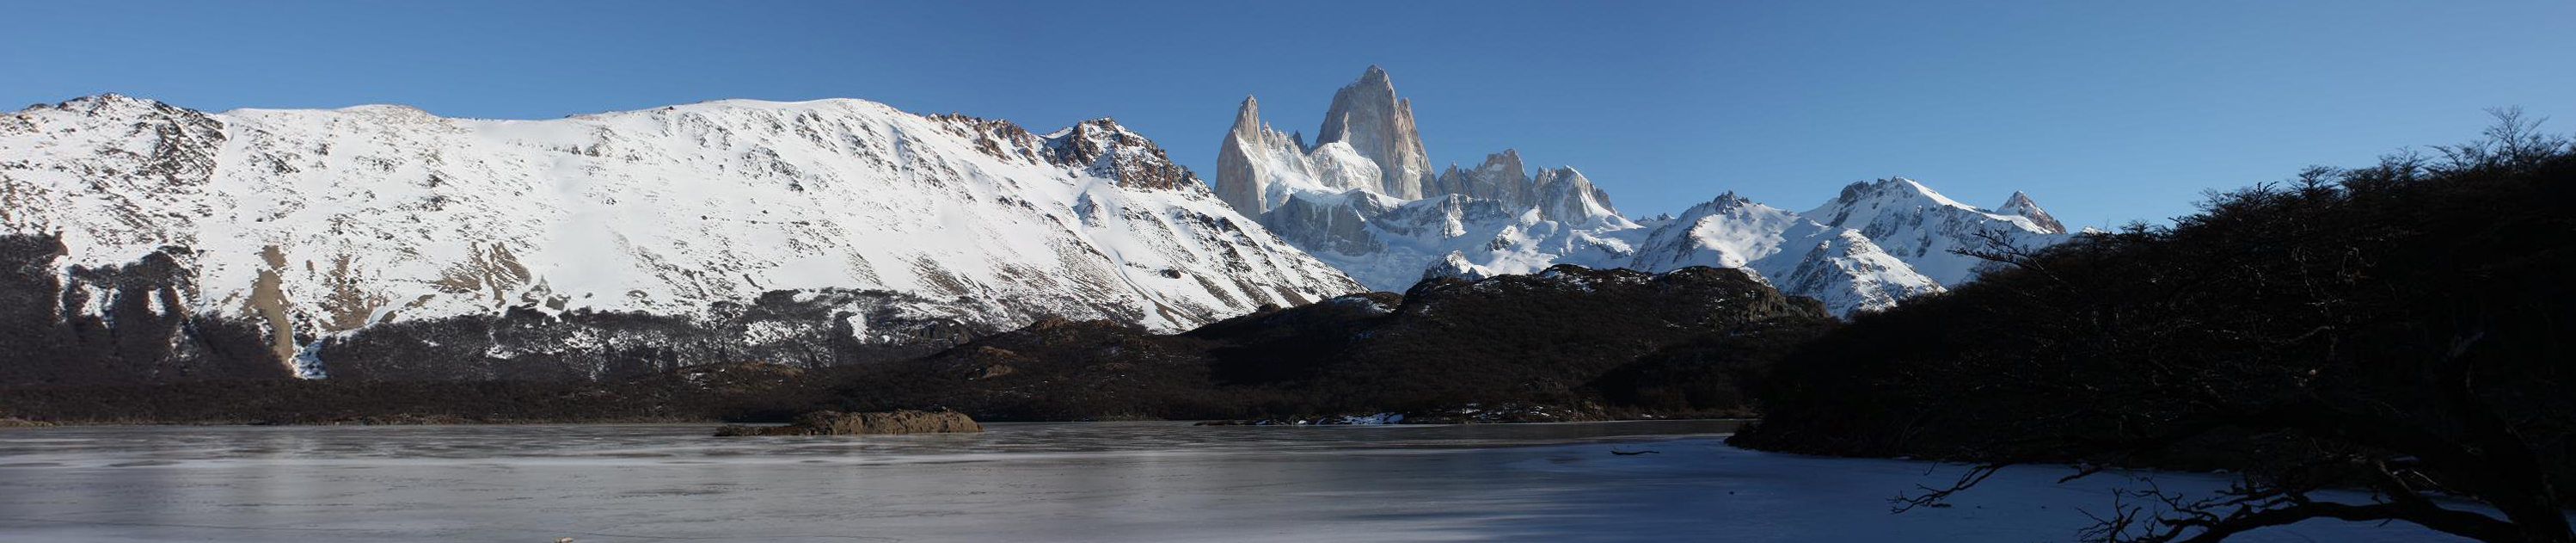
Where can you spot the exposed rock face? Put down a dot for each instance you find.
(1501, 178)
(1565, 196)
(835, 423)
(1258, 168)
(1104, 149)
(1369, 116)
(1363, 198)
(652, 235)
(1238, 173)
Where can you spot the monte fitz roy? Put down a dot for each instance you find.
(150, 241)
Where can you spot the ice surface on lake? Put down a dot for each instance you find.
(1017, 482)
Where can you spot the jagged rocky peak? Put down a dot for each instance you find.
(1727, 200)
(1369, 116)
(1110, 150)
(1501, 178)
(1247, 118)
(1891, 188)
(1902, 193)
(2021, 204)
(1862, 203)
(1367, 129)
(1498, 216)
(1503, 165)
(1564, 195)
(1259, 167)
(1238, 166)
(1102, 146)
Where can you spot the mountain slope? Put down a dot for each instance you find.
(317, 224)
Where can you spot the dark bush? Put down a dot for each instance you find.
(2403, 327)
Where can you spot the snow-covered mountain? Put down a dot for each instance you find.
(321, 225)
(1363, 211)
(1365, 201)
(1924, 228)
(1798, 255)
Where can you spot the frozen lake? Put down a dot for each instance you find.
(1144, 481)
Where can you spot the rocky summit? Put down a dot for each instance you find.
(1379, 126)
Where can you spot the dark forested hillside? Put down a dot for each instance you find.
(2408, 327)
(1569, 343)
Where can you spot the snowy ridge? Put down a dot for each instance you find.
(1477, 238)
(1924, 228)
(1796, 254)
(1878, 243)
(318, 223)
(2021, 205)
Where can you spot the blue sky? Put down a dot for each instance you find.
(2104, 111)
